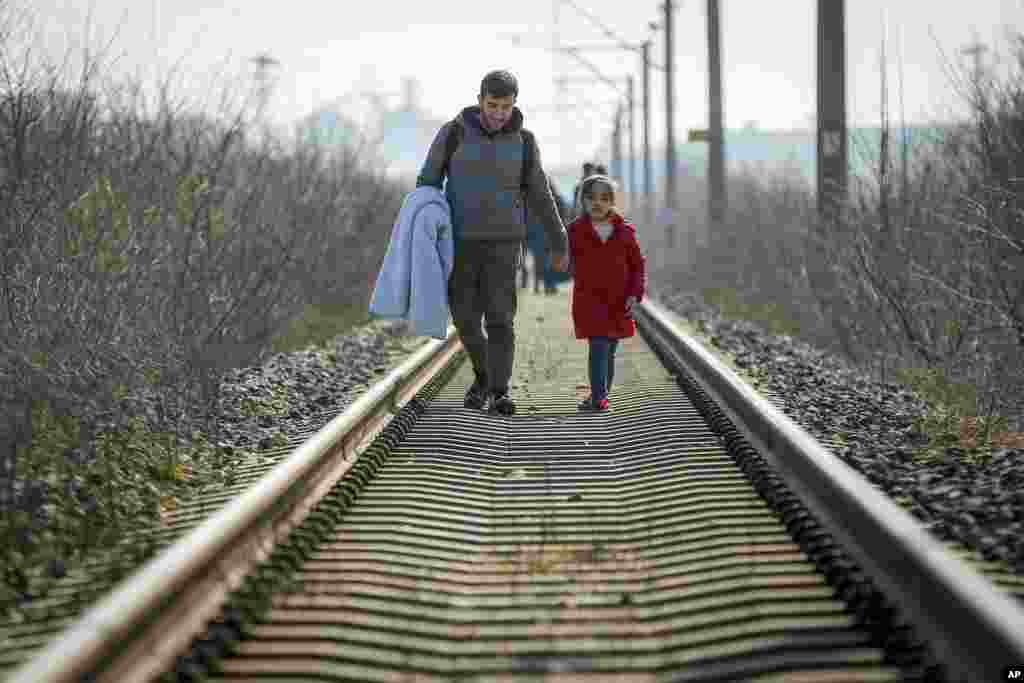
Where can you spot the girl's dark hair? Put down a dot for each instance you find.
(499, 84)
(601, 169)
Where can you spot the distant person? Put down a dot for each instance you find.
(543, 273)
(588, 170)
(488, 192)
(609, 280)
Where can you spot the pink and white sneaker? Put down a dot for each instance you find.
(589, 405)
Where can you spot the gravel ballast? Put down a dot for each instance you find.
(308, 383)
(976, 502)
(261, 410)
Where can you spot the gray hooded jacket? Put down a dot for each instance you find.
(483, 187)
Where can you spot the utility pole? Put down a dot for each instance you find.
(632, 141)
(974, 51)
(831, 139)
(649, 201)
(556, 67)
(716, 154)
(263, 62)
(616, 168)
(670, 145)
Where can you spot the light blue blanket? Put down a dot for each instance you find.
(413, 280)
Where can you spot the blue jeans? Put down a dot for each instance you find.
(602, 365)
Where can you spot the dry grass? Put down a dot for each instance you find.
(973, 434)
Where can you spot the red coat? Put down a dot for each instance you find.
(604, 274)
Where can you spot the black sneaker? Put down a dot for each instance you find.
(476, 396)
(502, 404)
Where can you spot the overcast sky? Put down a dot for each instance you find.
(326, 49)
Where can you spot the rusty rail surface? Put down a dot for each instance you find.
(135, 633)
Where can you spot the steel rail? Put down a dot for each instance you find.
(976, 631)
(134, 633)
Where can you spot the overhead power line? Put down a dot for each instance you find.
(597, 72)
(622, 44)
(558, 106)
(639, 48)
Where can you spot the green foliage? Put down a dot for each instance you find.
(151, 376)
(100, 223)
(134, 474)
(39, 359)
(151, 216)
(940, 425)
(215, 225)
(934, 386)
(273, 405)
(190, 190)
(319, 324)
(951, 418)
(731, 305)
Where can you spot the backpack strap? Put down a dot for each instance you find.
(452, 143)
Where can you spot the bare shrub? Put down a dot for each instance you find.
(148, 246)
(920, 271)
(753, 263)
(928, 253)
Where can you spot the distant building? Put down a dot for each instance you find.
(767, 152)
(400, 135)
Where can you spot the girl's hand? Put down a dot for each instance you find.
(630, 302)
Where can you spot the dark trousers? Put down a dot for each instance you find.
(550, 281)
(541, 272)
(601, 361)
(482, 294)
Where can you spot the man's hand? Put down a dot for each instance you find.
(560, 262)
(630, 303)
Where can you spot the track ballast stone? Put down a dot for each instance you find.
(978, 503)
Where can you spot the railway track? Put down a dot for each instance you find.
(691, 534)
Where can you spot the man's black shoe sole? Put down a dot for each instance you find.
(502, 411)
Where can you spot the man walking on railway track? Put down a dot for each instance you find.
(493, 170)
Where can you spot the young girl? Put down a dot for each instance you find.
(608, 272)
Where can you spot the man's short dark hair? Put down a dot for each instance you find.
(588, 166)
(499, 84)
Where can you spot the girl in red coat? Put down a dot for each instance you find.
(608, 272)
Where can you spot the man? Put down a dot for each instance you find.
(535, 244)
(588, 170)
(484, 175)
